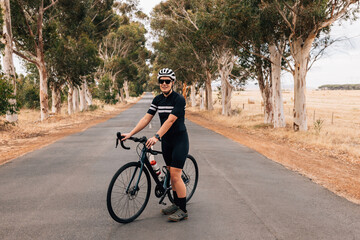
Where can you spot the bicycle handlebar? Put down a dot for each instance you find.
(135, 139)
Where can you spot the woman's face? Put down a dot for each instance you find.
(164, 87)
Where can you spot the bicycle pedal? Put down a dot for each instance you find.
(163, 203)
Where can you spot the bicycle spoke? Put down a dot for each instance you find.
(125, 206)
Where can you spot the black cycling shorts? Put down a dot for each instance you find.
(175, 149)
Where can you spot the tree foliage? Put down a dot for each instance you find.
(6, 93)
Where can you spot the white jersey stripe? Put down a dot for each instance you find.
(154, 106)
(166, 107)
(165, 111)
(154, 109)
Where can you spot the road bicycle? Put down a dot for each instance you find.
(130, 187)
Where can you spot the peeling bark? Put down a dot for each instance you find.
(88, 95)
(225, 65)
(83, 105)
(301, 59)
(122, 96)
(55, 99)
(44, 97)
(8, 61)
(70, 100)
(265, 89)
(202, 98)
(192, 95)
(126, 89)
(208, 91)
(76, 99)
(277, 101)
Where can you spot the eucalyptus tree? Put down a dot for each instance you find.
(124, 53)
(73, 56)
(30, 20)
(259, 39)
(177, 22)
(9, 68)
(306, 21)
(37, 25)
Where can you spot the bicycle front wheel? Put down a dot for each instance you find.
(126, 199)
(190, 177)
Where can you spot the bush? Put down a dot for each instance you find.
(93, 107)
(318, 124)
(28, 94)
(6, 93)
(103, 91)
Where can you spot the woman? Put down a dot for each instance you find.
(175, 142)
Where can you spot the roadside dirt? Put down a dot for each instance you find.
(339, 176)
(19, 140)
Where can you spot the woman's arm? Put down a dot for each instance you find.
(164, 128)
(140, 126)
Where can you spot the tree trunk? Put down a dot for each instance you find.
(301, 59)
(55, 99)
(122, 95)
(83, 105)
(88, 95)
(208, 91)
(265, 89)
(225, 65)
(192, 95)
(202, 99)
(70, 100)
(126, 89)
(9, 68)
(44, 97)
(76, 99)
(226, 91)
(277, 101)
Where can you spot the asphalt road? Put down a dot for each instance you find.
(59, 192)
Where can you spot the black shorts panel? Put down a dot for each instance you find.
(175, 149)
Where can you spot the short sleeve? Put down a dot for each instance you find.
(179, 107)
(153, 107)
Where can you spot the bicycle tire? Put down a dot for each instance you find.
(192, 176)
(118, 186)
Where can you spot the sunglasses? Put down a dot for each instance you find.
(164, 81)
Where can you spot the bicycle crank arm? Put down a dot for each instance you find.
(162, 199)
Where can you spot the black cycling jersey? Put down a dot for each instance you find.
(175, 142)
(172, 104)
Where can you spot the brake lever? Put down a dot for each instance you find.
(119, 137)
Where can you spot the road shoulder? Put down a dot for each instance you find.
(342, 179)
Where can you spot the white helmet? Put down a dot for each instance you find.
(166, 72)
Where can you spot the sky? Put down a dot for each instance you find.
(339, 65)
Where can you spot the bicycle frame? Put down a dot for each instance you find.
(145, 161)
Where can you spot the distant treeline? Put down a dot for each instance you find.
(340, 87)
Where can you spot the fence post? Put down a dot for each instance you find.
(314, 116)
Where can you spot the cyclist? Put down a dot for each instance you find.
(175, 142)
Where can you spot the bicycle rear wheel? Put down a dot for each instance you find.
(190, 177)
(125, 202)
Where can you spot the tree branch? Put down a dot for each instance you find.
(27, 24)
(51, 4)
(25, 57)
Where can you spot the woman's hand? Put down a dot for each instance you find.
(151, 141)
(125, 136)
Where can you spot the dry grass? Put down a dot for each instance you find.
(338, 137)
(30, 133)
(329, 156)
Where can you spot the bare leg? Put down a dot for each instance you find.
(176, 182)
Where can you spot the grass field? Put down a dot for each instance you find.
(333, 120)
(328, 153)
